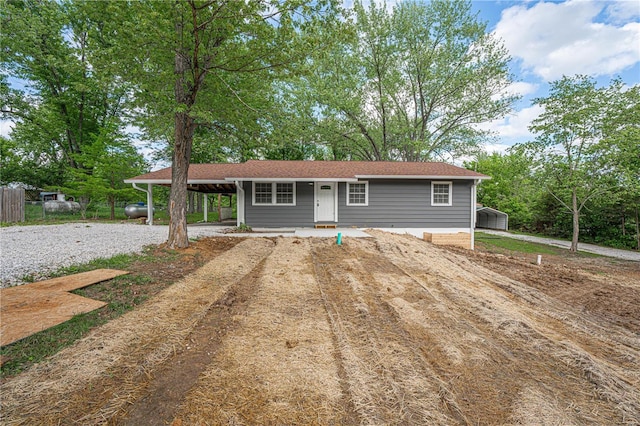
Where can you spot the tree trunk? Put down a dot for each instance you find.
(637, 230)
(576, 221)
(183, 140)
(178, 237)
(112, 205)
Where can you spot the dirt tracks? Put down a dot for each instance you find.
(387, 330)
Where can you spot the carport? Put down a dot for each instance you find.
(489, 218)
(201, 178)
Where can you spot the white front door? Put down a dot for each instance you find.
(325, 201)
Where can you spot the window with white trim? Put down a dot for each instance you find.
(274, 193)
(441, 193)
(284, 193)
(358, 194)
(262, 193)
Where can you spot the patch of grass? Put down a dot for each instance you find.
(500, 244)
(511, 244)
(35, 348)
(120, 261)
(121, 294)
(244, 228)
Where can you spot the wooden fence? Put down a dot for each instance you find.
(11, 204)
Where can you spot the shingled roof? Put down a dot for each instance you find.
(312, 170)
(197, 172)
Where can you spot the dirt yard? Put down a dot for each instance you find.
(386, 330)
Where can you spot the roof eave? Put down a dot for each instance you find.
(430, 177)
(168, 181)
(290, 179)
(151, 181)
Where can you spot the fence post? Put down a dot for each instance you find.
(11, 204)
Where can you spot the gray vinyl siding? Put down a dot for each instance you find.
(406, 204)
(393, 203)
(300, 215)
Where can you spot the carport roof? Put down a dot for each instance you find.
(490, 210)
(310, 170)
(197, 172)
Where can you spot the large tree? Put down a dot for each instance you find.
(569, 139)
(200, 62)
(621, 156)
(411, 84)
(66, 105)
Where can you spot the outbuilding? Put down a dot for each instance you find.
(489, 218)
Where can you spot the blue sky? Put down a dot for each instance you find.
(549, 39)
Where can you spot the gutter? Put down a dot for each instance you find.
(473, 212)
(149, 193)
(240, 201)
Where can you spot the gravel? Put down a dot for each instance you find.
(35, 250)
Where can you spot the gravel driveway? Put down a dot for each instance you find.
(34, 250)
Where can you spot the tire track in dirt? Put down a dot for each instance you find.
(550, 363)
(180, 373)
(278, 366)
(96, 378)
(388, 381)
(388, 330)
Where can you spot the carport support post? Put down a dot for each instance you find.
(240, 202)
(206, 208)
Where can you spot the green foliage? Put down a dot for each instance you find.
(570, 132)
(405, 85)
(511, 188)
(244, 228)
(68, 127)
(584, 165)
(205, 64)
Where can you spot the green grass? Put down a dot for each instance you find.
(511, 244)
(505, 244)
(101, 213)
(121, 294)
(37, 347)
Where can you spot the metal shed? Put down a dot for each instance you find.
(489, 218)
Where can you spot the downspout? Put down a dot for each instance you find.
(473, 212)
(240, 200)
(149, 193)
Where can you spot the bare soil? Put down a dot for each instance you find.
(387, 330)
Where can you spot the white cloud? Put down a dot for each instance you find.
(500, 148)
(5, 127)
(556, 39)
(521, 88)
(623, 10)
(515, 126)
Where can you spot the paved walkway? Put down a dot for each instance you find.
(217, 231)
(589, 248)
